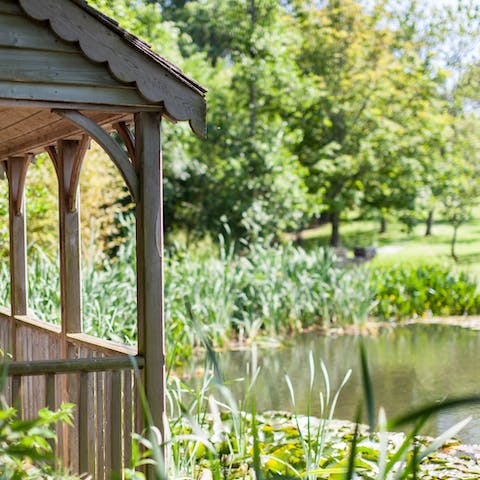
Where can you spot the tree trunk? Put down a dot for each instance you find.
(335, 236)
(454, 241)
(383, 224)
(428, 231)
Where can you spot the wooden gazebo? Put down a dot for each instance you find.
(69, 74)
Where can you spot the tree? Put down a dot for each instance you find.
(461, 191)
(251, 181)
(366, 116)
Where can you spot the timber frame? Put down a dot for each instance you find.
(69, 74)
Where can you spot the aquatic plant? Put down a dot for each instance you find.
(211, 437)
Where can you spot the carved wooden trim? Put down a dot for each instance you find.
(111, 147)
(70, 174)
(53, 154)
(72, 189)
(127, 138)
(17, 168)
(129, 59)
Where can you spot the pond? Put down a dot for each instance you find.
(410, 366)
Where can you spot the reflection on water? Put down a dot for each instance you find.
(409, 366)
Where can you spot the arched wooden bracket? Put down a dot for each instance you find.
(68, 172)
(111, 147)
(128, 139)
(3, 170)
(53, 154)
(17, 168)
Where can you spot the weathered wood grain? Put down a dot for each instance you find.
(72, 365)
(107, 404)
(54, 68)
(149, 215)
(117, 419)
(49, 132)
(106, 347)
(127, 417)
(83, 437)
(10, 7)
(18, 31)
(100, 416)
(73, 94)
(70, 155)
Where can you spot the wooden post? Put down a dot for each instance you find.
(16, 173)
(70, 157)
(151, 342)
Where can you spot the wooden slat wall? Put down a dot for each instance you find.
(100, 442)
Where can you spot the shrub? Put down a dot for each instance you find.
(405, 291)
(25, 448)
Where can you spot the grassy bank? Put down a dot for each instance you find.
(398, 246)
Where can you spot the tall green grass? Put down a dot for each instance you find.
(239, 292)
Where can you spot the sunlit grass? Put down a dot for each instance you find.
(399, 246)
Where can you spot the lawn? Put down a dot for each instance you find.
(398, 246)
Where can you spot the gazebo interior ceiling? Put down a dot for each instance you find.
(26, 130)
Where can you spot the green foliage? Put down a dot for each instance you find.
(404, 292)
(25, 445)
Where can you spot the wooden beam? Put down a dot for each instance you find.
(151, 343)
(75, 365)
(111, 147)
(73, 94)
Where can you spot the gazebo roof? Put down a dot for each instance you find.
(64, 54)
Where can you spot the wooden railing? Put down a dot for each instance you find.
(97, 376)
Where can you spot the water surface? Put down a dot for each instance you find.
(409, 365)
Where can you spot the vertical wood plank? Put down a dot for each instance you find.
(17, 393)
(128, 418)
(50, 392)
(73, 396)
(73, 437)
(83, 423)
(100, 446)
(50, 401)
(92, 431)
(151, 342)
(116, 421)
(107, 399)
